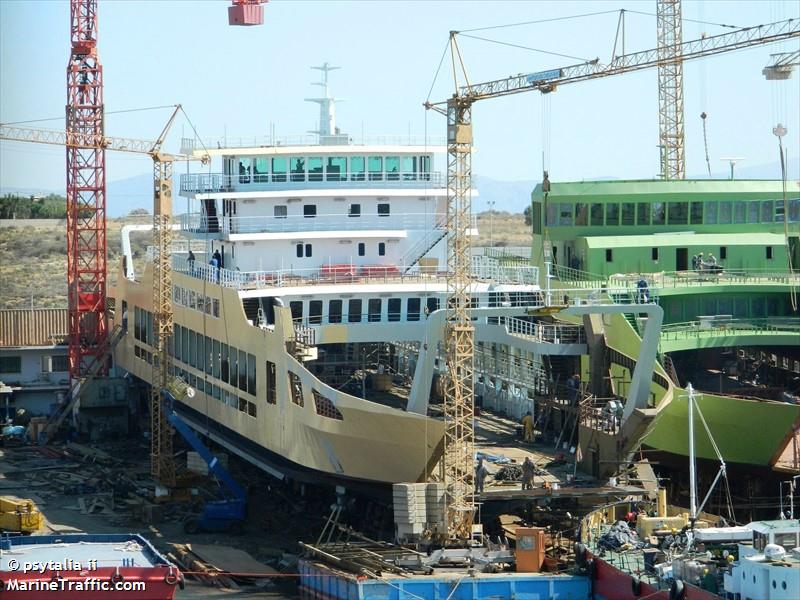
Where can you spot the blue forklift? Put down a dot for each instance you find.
(229, 512)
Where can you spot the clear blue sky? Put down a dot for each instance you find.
(239, 80)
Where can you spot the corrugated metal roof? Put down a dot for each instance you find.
(33, 327)
(683, 239)
(560, 190)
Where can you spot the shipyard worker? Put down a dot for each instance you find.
(190, 260)
(481, 473)
(528, 471)
(642, 289)
(125, 320)
(695, 262)
(219, 258)
(214, 267)
(700, 261)
(573, 384)
(527, 423)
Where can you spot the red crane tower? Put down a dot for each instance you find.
(86, 194)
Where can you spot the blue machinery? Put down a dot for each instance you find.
(226, 514)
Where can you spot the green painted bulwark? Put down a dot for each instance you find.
(746, 431)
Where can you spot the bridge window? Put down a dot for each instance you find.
(696, 213)
(355, 210)
(565, 214)
(711, 213)
(628, 213)
(375, 165)
(725, 212)
(261, 170)
(354, 310)
(335, 311)
(612, 214)
(315, 312)
(279, 169)
(298, 169)
(315, 168)
(245, 165)
(597, 215)
(409, 167)
(425, 166)
(395, 306)
(794, 210)
(678, 213)
(581, 214)
(381, 249)
(659, 213)
(374, 310)
(357, 168)
(362, 248)
(412, 309)
(643, 213)
(392, 168)
(272, 391)
(552, 214)
(336, 169)
(767, 211)
(740, 212)
(753, 211)
(309, 211)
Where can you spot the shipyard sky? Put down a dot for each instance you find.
(239, 82)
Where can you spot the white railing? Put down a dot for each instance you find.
(188, 144)
(199, 223)
(545, 332)
(426, 242)
(333, 274)
(220, 182)
(485, 267)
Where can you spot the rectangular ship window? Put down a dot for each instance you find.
(296, 389)
(315, 312)
(374, 310)
(643, 213)
(412, 311)
(628, 213)
(279, 169)
(354, 311)
(243, 370)
(335, 311)
(336, 169)
(395, 306)
(357, 168)
(272, 391)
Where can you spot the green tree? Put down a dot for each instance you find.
(527, 213)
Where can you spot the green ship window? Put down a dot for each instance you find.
(336, 169)
(298, 170)
(315, 168)
(552, 209)
(261, 170)
(279, 169)
(357, 168)
(409, 168)
(696, 215)
(628, 213)
(643, 214)
(565, 214)
(740, 212)
(654, 253)
(581, 214)
(678, 213)
(375, 168)
(612, 214)
(780, 213)
(659, 210)
(794, 210)
(597, 214)
(711, 213)
(769, 252)
(766, 211)
(609, 255)
(725, 212)
(393, 168)
(753, 211)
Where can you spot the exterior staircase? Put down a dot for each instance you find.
(425, 244)
(79, 386)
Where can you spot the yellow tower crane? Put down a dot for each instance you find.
(161, 462)
(459, 401)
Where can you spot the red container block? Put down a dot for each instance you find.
(246, 14)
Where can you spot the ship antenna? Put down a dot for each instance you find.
(327, 112)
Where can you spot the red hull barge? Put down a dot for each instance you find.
(85, 567)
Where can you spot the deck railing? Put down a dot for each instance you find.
(221, 182)
(718, 325)
(326, 275)
(675, 279)
(199, 223)
(307, 139)
(545, 332)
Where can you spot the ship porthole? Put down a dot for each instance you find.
(774, 585)
(783, 585)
